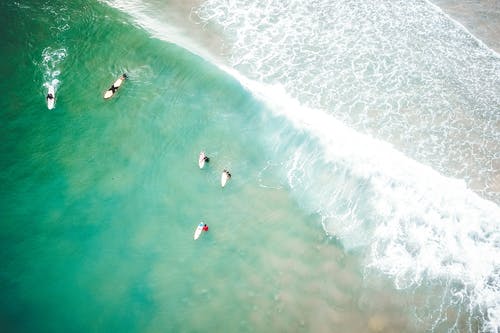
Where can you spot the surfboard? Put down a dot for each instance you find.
(198, 230)
(201, 160)
(114, 87)
(51, 101)
(224, 177)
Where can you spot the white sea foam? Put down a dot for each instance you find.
(401, 71)
(54, 55)
(420, 226)
(51, 60)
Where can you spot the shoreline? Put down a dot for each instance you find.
(481, 19)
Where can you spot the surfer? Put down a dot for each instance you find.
(224, 178)
(202, 160)
(51, 98)
(205, 227)
(114, 87)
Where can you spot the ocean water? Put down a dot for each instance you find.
(362, 139)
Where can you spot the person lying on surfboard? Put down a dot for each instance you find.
(227, 173)
(50, 96)
(202, 159)
(114, 87)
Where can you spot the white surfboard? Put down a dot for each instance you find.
(114, 87)
(201, 160)
(51, 98)
(198, 230)
(224, 177)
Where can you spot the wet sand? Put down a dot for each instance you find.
(480, 17)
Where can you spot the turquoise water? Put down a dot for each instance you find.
(315, 232)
